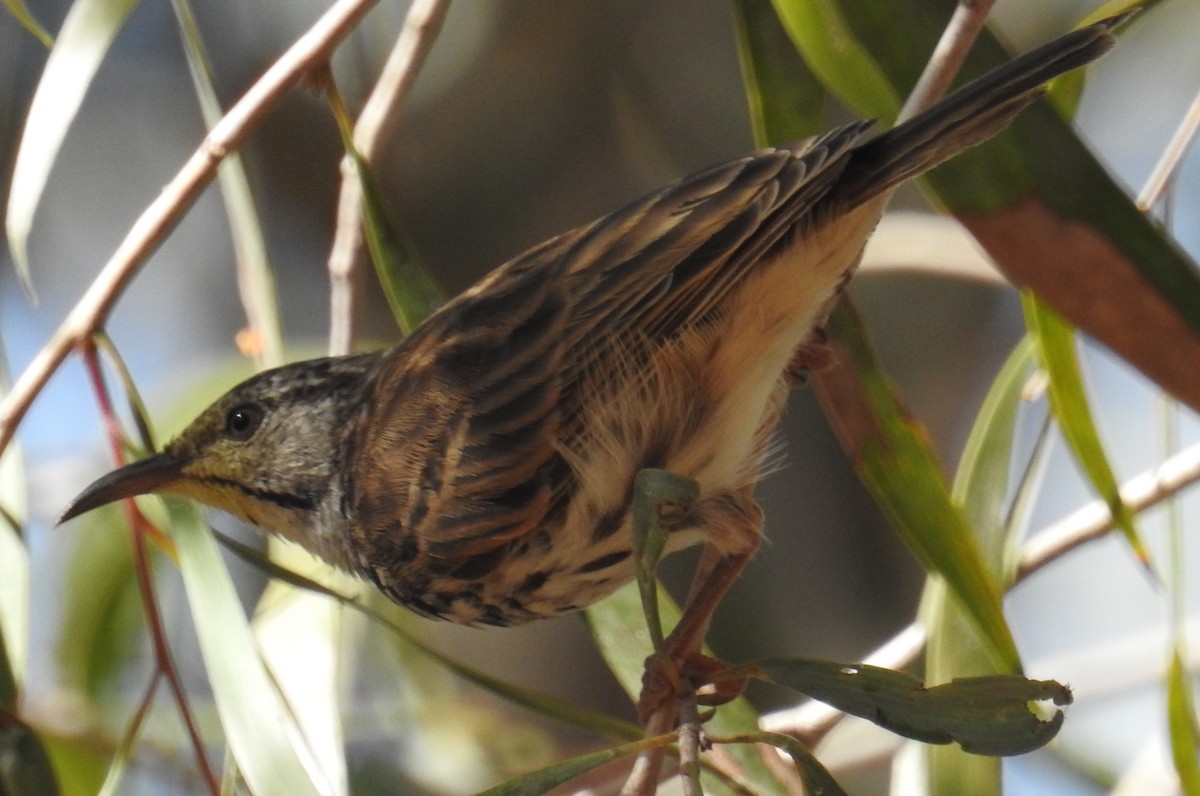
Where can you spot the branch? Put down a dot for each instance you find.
(947, 57)
(1168, 165)
(157, 220)
(421, 27)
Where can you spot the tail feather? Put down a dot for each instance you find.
(968, 116)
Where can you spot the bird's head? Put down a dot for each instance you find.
(271, 451)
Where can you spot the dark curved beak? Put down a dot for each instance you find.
(140, 478)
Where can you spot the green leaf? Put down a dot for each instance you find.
(982, 478)
(14, 577)
(21, 14)
(832, 49)
(412, 292)
(895, 459)
(256, 274)
(102, 619)
(87, 32)
(1182, 727)
(79, 766)
(545, 779)
(1056, 348)
(816, 778)
(786, 100)
(262, 733)
(25, 768)
(980, 487)
(986, 715)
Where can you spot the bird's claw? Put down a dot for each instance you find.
(665, 681)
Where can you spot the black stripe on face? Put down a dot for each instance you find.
(307, 502)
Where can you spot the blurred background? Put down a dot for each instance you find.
(532, 117)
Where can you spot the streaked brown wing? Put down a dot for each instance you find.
(468, 411)
(465, 416)
(665, 262)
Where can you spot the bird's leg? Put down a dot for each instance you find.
(677, 667)
(733, 524)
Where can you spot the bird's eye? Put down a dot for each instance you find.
(242, 421)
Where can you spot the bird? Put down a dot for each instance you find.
(482, 469)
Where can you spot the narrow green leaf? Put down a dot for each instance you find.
(1182, 727)
(124, 753)
(133, 396)
(816, 778)
(87, 32)
(896, 461)
(262, 734)
(21, 14)
(786, 100)
(103, 624)
(982, 479)
(412, 292)
(833, 50)
(988, 715)
(25, 768)
(256, 274)
(981, 483)
(14, 577)
(9, 690)
(1055, 340)
(545, 779)
(79, 767)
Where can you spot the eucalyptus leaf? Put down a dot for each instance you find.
(87, 32)
(412, 292)
(988, 715)
(1055, 340)
(1182, 726)
(816, 778)
(25, 768)
(256, 274)
(545, 779)
(20, 12)
(14, 576)
(893, 455)
(270, 751)
(785, 99)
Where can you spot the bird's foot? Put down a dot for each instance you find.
(667, 680)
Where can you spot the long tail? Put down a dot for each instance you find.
(968, 116)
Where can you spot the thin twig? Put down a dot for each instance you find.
(643, 778)
(157, 220)
(375, 122)
(1093, 520)
(1168, 164)
(947, 57)
(689, 746)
